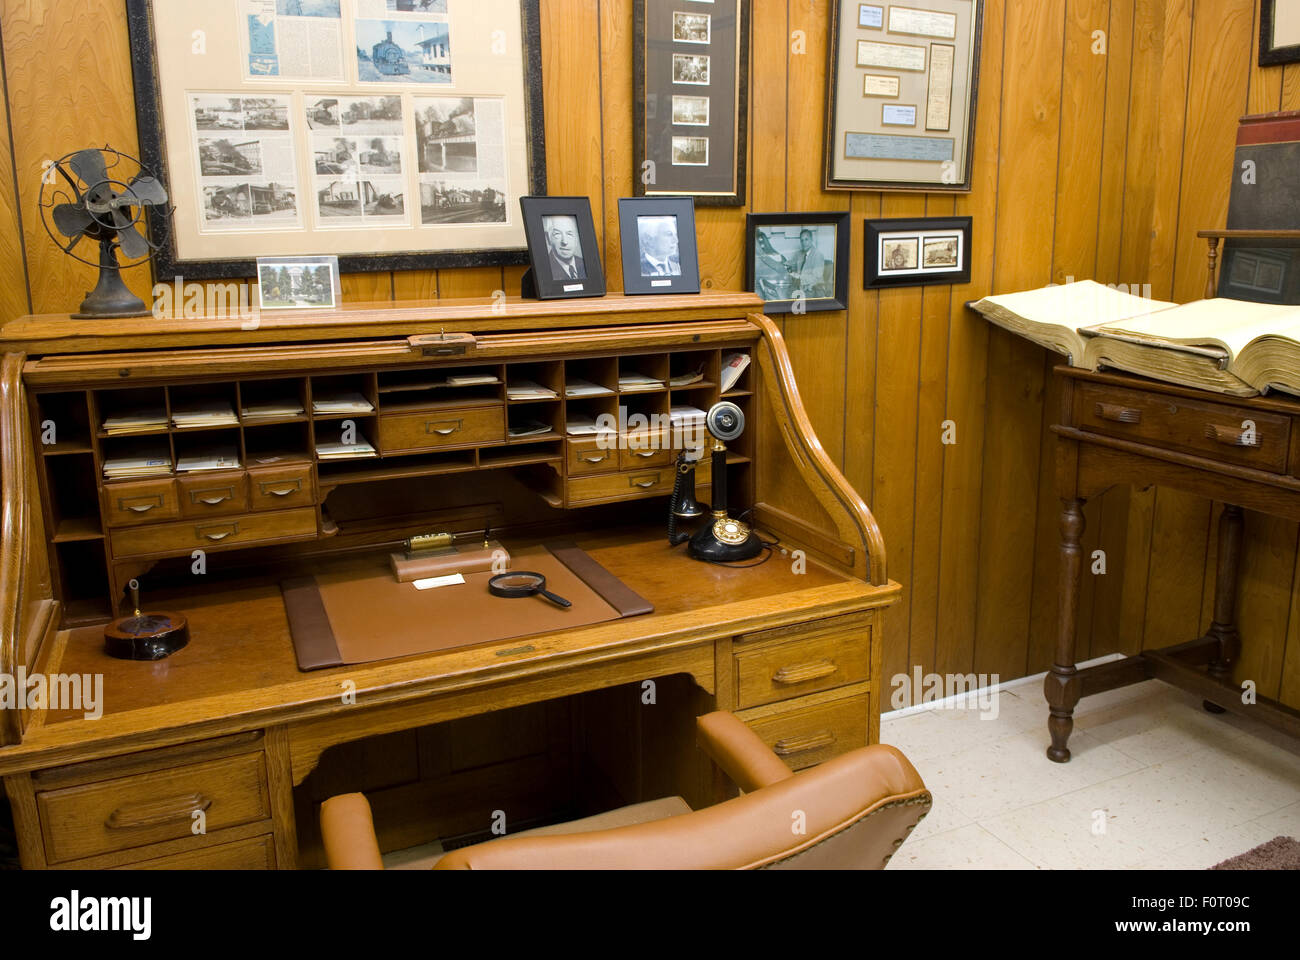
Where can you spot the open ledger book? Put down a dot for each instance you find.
(1228, 346)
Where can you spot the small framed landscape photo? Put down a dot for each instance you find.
(297, 283)
(911, 253)
(562, 247)
(658, 240)
(798, 262)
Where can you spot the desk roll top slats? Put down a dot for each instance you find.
(801, 667)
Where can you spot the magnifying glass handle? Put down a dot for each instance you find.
(555, 598)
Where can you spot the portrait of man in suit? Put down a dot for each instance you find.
(564, 247)
(659, 246)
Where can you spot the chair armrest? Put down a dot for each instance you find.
(852, 811)
(348, 830)
(738, 751)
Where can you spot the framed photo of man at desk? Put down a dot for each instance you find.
(658, 244)
(562, 247)
(798, 262)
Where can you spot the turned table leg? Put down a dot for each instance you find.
(1061, 685)
(1223, 628)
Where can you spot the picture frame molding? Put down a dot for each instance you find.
(533, 209)
(840, 219)
(153, 154)
(631, 208)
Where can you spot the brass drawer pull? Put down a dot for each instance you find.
(1231, 436)
(644, 484)
(439, 426)
(1118, 414)
(234, 528)
(600, 459)
(643, 453)
(813, 741)
(803, 672)
(124, 503)
(157, 812)
(265, 487)
(197, 496)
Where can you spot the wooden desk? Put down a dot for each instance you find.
(228, 730)
(1114, 428)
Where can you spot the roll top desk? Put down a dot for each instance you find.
(227, 732)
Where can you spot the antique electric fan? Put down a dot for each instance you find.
(102, 195)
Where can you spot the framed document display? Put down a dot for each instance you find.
(393, 134)
(1279, 32)
(900, 96)
(913, 253)
(690, 77)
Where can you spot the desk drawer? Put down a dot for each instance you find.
(212, 534)
(441, 428)
(255, 853)
(1212, 430)
(587, 457)
(140, 501)
(216, 494)
(644, 450)
(823, 655)
(151, 807)
(280, 486)
(652, 482)
(808, 734)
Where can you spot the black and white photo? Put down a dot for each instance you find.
(898, 254)
(658, 245)
(691, 68)
(798, 262)
(371, 115)
(939, 251)
(446, 135)
(660, 248)
(230, 156)
(691, 151)
(265, 113)
(691, 27)
(564, 247)
(462, 201)
(691, 111)
(334, 156)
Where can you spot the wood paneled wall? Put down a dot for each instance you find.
(1104, 141)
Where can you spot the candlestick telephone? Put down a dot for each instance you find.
(721, 539)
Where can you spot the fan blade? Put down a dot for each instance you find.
(89, 166)
(72, 218)
(133, 244)
(146, 190)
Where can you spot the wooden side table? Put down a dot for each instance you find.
(1114, 428)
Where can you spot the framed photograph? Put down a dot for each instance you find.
(690, 99)
(295, 283)
(798, 262)
(1279, 32)
(911, 253)
(901, 93)
(658, 243)
(563, 249)
(394, 134)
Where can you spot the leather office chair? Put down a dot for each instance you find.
(850, 812)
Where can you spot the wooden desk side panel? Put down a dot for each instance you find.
(27, 608)
(832, 516)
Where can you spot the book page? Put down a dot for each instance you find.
(1084, 303)
(1227, 324)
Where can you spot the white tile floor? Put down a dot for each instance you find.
(1154, 782)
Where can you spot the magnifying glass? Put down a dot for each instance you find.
(523, 583)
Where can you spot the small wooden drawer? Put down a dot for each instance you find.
(1220, 431)
(215, 494)
(280, 486)
(140, 501)
(406, 432)
(815, 729)
(165, 538)
(606, 488)
(827, 654)
(255, 853)
(640, 451)
(587, 457)
(151, 807)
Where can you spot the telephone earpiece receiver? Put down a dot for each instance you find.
(721, 539)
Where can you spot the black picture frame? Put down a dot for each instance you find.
(652, 48)
(549, 284)
(631, 211)
(877, 234)
(153, 154)
(756, 280)
(1269, 54)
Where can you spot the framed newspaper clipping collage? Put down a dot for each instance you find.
(901, 92)
(394, 134)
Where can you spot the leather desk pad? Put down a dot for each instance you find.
(351, 616)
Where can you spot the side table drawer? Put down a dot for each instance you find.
(151, 807)
(1219, 431)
